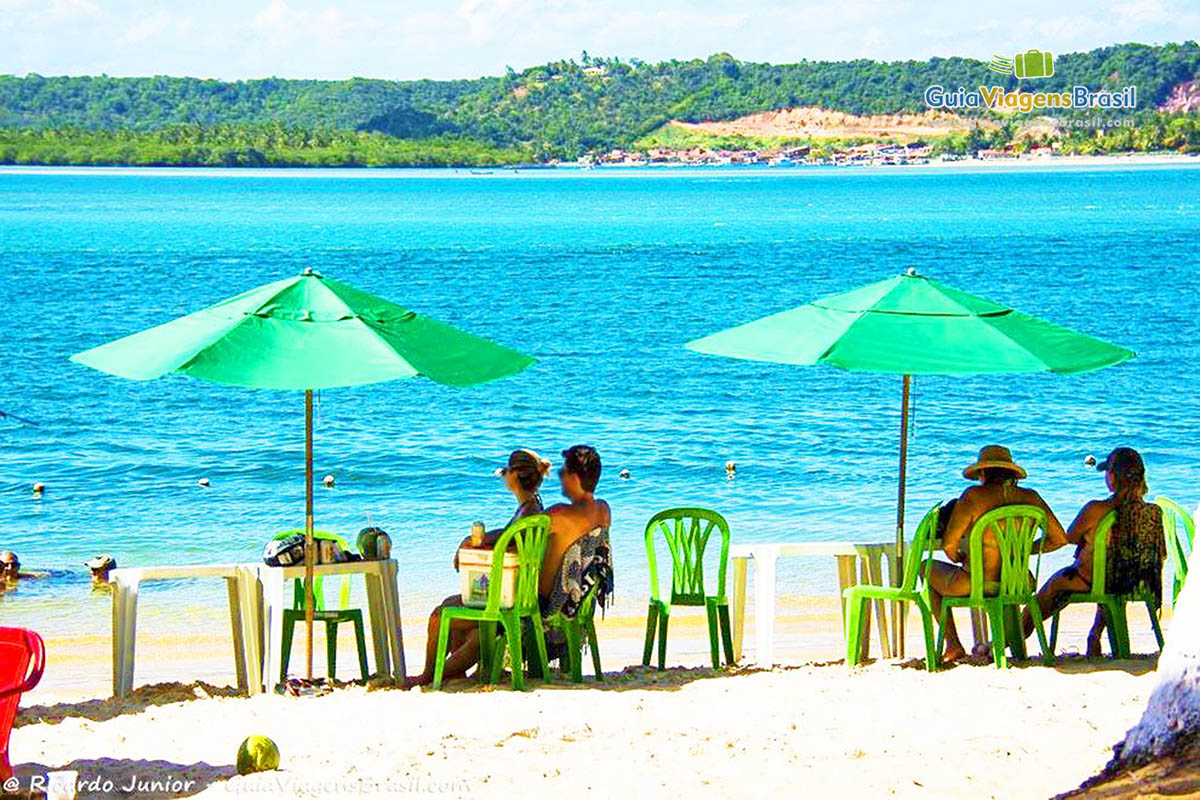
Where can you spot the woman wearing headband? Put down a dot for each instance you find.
(523, 477)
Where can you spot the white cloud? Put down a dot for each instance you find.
(466, 38)
(72, 11)
(1141, 12)
(281, 21)
(149, 28)
(485, 18)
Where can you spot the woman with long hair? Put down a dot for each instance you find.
(523, 477)
(1136, 547)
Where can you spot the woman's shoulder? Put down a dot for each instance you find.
(1096, 509)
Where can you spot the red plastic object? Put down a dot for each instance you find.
(22, 661)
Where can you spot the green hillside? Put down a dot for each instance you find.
(559, 110)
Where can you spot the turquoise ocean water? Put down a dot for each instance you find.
(602, 276)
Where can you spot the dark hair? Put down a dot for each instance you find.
(529, 468)
(584, 461)
(1129, 476)
(993, 475)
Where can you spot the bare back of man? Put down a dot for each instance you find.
(569, 522)
(954, 579)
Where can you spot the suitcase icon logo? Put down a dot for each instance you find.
(1030, 64)
(1033, 64)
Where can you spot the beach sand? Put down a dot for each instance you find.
(811, 728)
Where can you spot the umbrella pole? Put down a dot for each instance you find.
(308, 532)
(900, 610)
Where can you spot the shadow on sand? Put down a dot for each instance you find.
(1070, 663)
(141, 698)
(126, 777)
(631, 678)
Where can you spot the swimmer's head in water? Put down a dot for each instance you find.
(100, 566)
(10, 565)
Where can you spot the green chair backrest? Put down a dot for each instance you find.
(687, 531)
(917, 551)
(529, 535)
(1179, 542)
(1100, 552)
(318, 581)
(1015, 529)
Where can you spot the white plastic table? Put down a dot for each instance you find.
(383, 606)
(868, 571)
(764, 557)
(126, 583)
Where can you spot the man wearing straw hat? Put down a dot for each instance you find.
(997, 475)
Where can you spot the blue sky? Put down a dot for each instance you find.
(467, 38)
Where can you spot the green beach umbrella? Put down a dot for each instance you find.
(306, 333)
(910, 325)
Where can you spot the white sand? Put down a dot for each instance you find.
(813, 730)
(810, 731)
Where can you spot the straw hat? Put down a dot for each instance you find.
(104, 561)
(993, 456)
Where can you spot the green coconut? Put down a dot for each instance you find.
(257, 754)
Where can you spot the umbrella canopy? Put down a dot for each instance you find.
(306, 333)
(910, 325)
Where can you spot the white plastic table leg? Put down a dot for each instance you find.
(252, 630)
(739, 604)
(898, 609)
(273, 607)
(236, 625)
(118, 636)
(377, 610)
(391, 590)
(873, 565)
(128, 636)
(764, 606)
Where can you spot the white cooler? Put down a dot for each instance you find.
(475, 572)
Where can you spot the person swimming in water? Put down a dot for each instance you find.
(100, 567)
(11, 572)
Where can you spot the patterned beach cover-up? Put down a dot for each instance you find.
(1136, 550)
(586, 563)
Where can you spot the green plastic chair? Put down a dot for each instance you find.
(1179, 542)
(331, 618)
(1015, 528)
(1111, 605)
(575, 629)
(530, 536)
(687, 531)
(857, 598)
